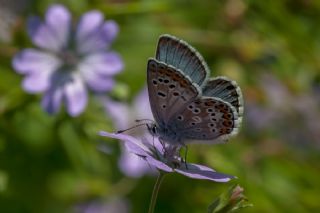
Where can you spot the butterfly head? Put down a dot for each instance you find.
(153, 129)
(164, 134)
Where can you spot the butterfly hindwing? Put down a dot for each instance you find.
(208, 119)
(182, 56)
(227, 90)
(169, 90)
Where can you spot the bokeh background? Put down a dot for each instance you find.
(271, 48)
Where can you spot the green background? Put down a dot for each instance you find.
(271, 48)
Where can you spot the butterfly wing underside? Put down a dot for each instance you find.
(207, 119)
(182, 56)
(227, 90)
(169, 90)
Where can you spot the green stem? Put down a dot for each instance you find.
(155, 192)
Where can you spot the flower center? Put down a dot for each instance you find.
(172, 156)
(69, 58)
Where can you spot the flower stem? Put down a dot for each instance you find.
(155, 192)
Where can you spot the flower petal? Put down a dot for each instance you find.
(89, 25)
(53, 33)
(51, 100)
(158, 164)
(58, 19)
(132, 165)
(93, 34)
(36, 82)
(76, 96)
(152, 143)
(31, 61)
(132, 144)
(104, 64)
(95, 81)
(110, 30)
(202, 172)
(99, 84)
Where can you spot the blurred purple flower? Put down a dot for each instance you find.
(113, 205)
(69, 58)
(123, 115)
(281, 110)
(166, 157)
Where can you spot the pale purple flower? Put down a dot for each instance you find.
(123, 116)
(69, 58)
(113, 205)
(165, 157)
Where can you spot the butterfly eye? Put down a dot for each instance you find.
(154, 129)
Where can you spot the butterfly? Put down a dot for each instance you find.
(186, 104)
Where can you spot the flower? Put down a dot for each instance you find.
(123, 115)
(165, 157)
(112, 205)
(69, 59)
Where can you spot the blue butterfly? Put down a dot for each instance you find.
(186, 104)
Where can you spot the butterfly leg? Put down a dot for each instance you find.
(184, 160)
(163, 145)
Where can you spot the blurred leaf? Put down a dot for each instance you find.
(73, 185)
(120, 91)
(3, 180)
(135, 7)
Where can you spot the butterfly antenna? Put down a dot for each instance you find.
(140, 120)
(124, 130)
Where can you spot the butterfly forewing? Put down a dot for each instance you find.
(207, 119)
(225, 89)
(182, 56)
(169, 90)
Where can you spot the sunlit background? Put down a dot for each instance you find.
(58, 163)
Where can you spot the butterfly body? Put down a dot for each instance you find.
(185, 104)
